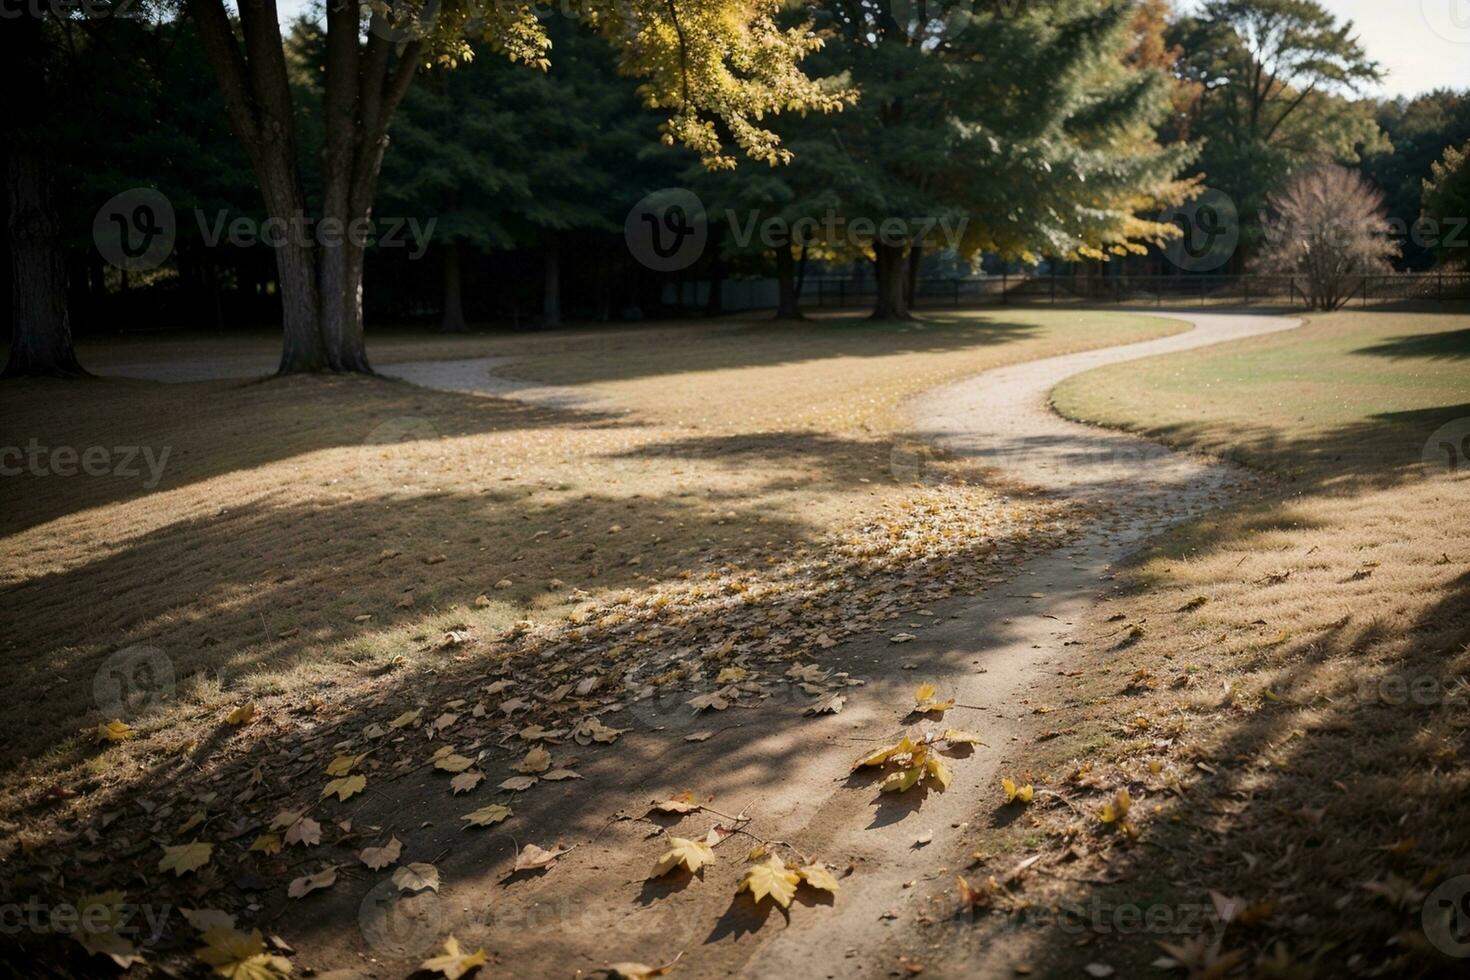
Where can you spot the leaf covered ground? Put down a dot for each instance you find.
(344, 595)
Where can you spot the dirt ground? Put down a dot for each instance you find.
(726, 571)
(336, 552)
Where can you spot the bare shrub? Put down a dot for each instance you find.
(1329, 226)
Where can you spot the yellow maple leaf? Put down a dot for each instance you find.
(935, 767)
(115, 731)
(536, 760)
(453, 762)
(407, 718)
(487, 815)
(692, 854)
(903, 780)
(902, 747)
(1015, 793)
(267, 843)
(242, 715)
(240, 956)
(100, 916)
(1118, 808)
(818, 876)
(454, 962)
(344, 764)
(924, 701)
(344, 787)
(185, 858)
(684, 802)
(770, 879)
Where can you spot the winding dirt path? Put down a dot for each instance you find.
(793, 772)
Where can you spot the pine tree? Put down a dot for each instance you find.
(1020, 129)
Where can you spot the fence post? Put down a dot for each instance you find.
(1245, 282)
(1004, 286)
(1439, 294)
(841, 293)
(1053, 287)
(957, 291)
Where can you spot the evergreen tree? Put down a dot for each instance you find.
(1024, 130)
(1277, 80)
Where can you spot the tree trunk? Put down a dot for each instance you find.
(788, 307)
(551, 294)
(890, 304)
(911, 287)
(453, 321)
(40, 325)
(321, 288)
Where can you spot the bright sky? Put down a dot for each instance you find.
(1423, 44)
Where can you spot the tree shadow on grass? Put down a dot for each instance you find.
(1448, 345)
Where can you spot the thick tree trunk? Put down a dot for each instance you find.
(453, 321)
(551, 292)
(40, 328)
(321, 287)
(40, 325)
(890, 265)
(787, 305)
(911, 286)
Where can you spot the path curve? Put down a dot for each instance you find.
(1015, 634)
(986, 650)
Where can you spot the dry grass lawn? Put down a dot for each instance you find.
(312, 540)
(1281, 689)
